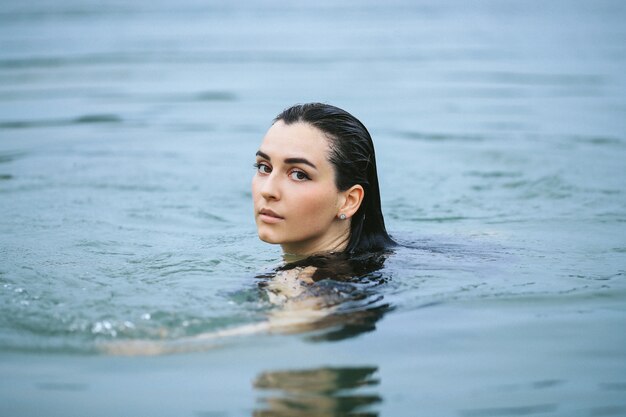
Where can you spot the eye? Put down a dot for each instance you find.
(263, 168)
(298, 175)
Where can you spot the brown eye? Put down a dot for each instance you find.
(263, 168)
(298, 175)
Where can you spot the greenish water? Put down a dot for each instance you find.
(127, 137)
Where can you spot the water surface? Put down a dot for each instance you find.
(127, 137)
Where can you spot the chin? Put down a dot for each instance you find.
(268, 237)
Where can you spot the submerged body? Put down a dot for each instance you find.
(332, 295)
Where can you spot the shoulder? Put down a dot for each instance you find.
(290, 283)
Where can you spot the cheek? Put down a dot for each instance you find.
(317, 203)
(255, 188)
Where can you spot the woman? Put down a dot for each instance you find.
(316, 194)
(316, 186)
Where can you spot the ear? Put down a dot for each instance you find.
(352, 199)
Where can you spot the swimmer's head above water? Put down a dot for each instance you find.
(316, 187)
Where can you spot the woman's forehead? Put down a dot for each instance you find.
(295, 140)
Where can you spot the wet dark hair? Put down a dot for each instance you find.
(352, 156)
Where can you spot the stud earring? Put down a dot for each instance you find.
(342, 216)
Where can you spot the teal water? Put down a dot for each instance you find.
(127, 137)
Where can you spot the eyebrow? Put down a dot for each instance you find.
(288, 160)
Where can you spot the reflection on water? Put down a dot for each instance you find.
(317, 392)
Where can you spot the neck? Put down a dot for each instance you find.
(300, 250)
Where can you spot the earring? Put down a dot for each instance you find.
(342, 216)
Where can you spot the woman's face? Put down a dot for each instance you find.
(296, 201)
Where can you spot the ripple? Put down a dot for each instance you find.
(97, 118)
(26, 124)
(495, 174)
(538, 79)
(62, 386)
(548, 383)
(216, 96)
(510, 411)
(80, 120)
(548, 187)
(613, 386)
(203, 214)
(608, 410)
(440, 137)
(439, 219)
(10, 157)
(601, 141)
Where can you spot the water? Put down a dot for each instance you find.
(127, 135)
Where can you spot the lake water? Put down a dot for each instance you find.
(127, 137)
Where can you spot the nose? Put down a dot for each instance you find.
(270, 188)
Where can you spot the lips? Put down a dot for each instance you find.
(270, 213)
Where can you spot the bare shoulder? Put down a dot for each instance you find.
(291, 283)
